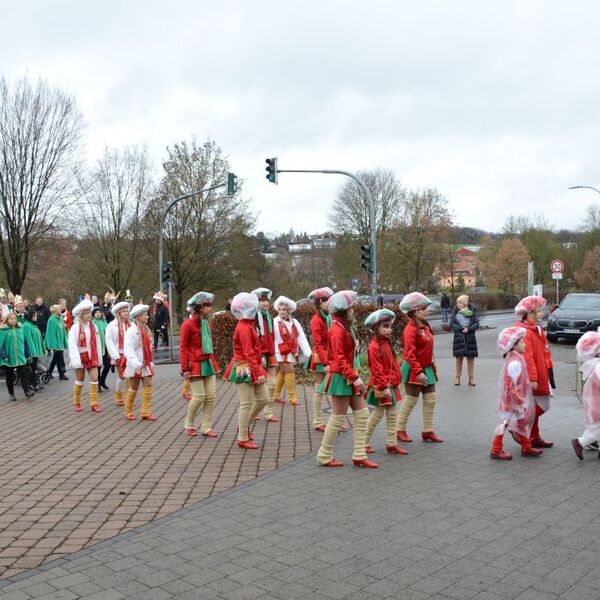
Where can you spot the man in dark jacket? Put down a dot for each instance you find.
(43, 314)
(445, 307)
(161, 319)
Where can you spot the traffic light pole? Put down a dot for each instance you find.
(366, 192)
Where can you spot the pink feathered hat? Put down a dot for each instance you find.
(588, 346)
(508, 338)
(529, 304)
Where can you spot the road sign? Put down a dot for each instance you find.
(556, 275)
(355, 282)
(557, 266)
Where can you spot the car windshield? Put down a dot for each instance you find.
(581, 303)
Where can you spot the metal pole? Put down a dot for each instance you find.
(171, 321)
(557, 291)
(372, 225)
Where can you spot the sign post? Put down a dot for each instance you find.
(557, 267)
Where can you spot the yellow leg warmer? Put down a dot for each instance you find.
(146, 401)
(279, 381)
(209, 403)
(261, 399)
(93, 393)
(334, 425)
(118, 397)
(195, 404)
(360, 433)
(129, 401)
(290, 386)
(245, 396)
(317, 408)
(406, 407)
(373, 421)
(390, 425)
(77, 389)
(186, 386)
(429, 401)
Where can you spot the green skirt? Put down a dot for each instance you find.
(207, 368)
(429, 373)
(372, 401)
(336, 384)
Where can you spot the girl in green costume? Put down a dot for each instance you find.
(35, 347)
(12, 342)
(57, 341)
(99, 320)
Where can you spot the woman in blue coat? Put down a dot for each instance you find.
(464, 322)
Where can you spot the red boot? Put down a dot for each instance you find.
(402, 436)
(248, 445)
(334, 463)
(497, 451)
(395, 449)
(320, 428)
(527, 449)
(369, 449)
(535, 437)
(364, 462)
(96, 408)
(431, 436)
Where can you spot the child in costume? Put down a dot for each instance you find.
(419, 374)
(115, 346)
(35, 347)
(85, 354)
(198, 363)
(319, 361)
(539, 360)
(383, 392)
(289, 342)
(57, 340)
(12, 355)
(516, 407)
(245, 368)
(266, 339)
(137, 349)
(186, 388)
(343, 384)
(588, 353)
(99, 321)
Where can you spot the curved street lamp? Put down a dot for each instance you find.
(584, 187)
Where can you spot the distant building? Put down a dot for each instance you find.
(298, 248)
(324, 243)
(465, 264)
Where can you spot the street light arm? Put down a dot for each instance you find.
(584, 187)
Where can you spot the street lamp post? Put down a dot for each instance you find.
(584, 187)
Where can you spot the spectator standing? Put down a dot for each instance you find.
(109, 300)
(464, 322)
(445, 307)
(43, 314)
(161, 319)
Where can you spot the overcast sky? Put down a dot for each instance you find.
(494, 103)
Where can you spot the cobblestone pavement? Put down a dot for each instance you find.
(70, 479)
(443, 522)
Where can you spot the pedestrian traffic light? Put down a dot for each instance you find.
(272, 169)
(232, 184)
(166, 272)
(366, 257)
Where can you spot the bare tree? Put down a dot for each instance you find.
(350, 211)
(202, 232)
(40, 135)
(114, 197)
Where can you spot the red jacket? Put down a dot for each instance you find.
(341, 350)
(417, 341)
(384, 367)
(245, 348)
(537, 356)
(191, 353)
(267, 341)
(320, 340)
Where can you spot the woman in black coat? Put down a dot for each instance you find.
(464, 323)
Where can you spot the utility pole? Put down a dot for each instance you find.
(271, 176)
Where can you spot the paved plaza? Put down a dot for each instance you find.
(443, 522)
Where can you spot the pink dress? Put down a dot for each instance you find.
(590, 370)
(517, 405)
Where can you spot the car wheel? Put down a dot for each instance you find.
(551, 338)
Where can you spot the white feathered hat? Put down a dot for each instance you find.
(82, 307)
(283, 300)
(119, 306)
(138, 309)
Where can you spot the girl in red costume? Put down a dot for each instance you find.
(319, 362)
(418, 368)
(538, 358)
(290, 341)
(517, 407)
(245, 368)
(266, 340)
(115, 342)
(343, 383)
(198, 363)
(383, 392)
(85, 352)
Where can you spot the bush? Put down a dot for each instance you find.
(224, 323)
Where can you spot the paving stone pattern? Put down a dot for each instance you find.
(68, 480)
(444, 522)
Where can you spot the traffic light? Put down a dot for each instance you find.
(232, 184)
(166, 272)
(272, 169)
(366, 257)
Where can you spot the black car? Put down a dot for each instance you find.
(576, 314)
